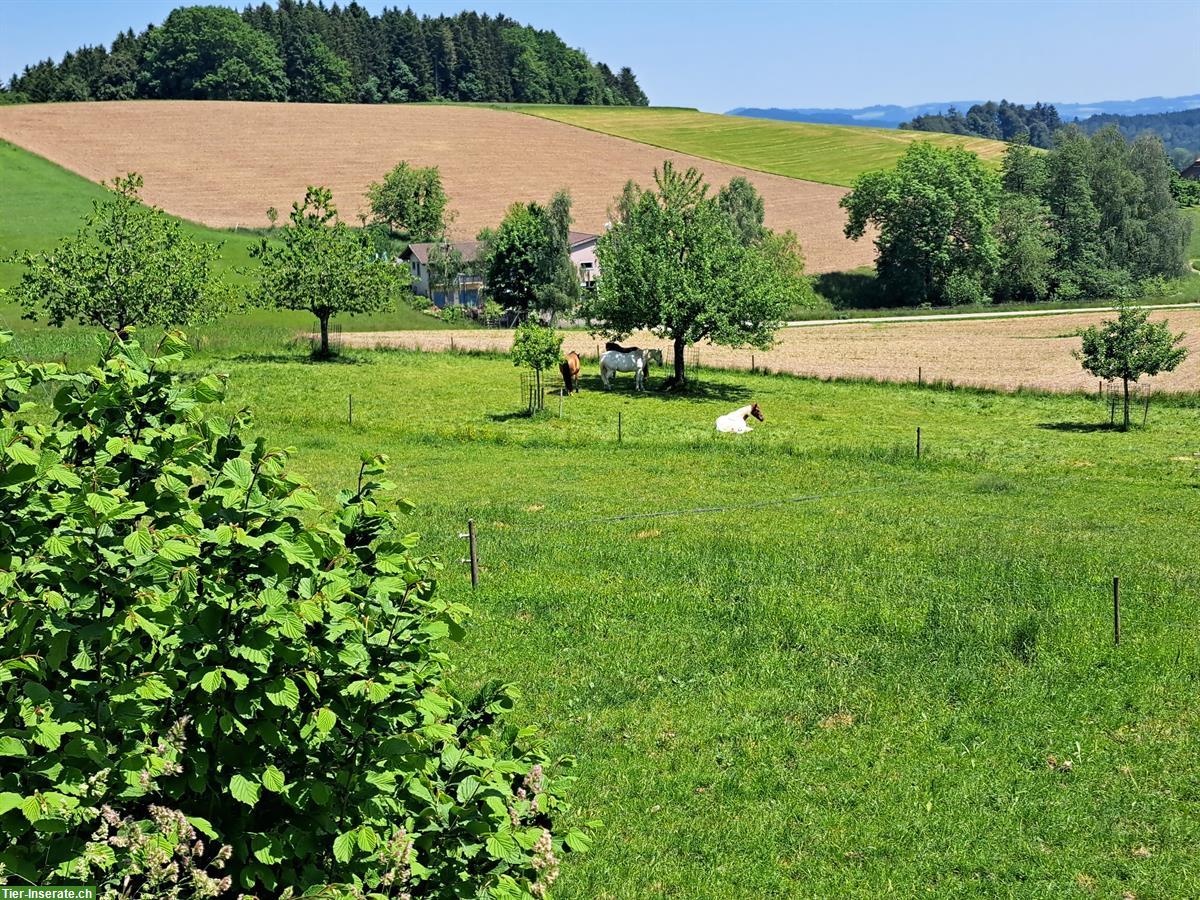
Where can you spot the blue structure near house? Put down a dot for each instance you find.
(471, 296)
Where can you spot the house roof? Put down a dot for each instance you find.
(1192, 171)
(470, 249)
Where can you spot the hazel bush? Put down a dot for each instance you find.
(193, 650)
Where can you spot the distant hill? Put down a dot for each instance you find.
(304, 52)
(889, 116)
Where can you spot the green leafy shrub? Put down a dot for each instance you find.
(454, 315)
(964, 289)
(185, 630)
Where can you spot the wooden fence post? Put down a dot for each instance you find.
(918, 442)
(1116, 611)
(474, 553)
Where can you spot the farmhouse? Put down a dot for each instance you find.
(1192, 172)
(468, 288)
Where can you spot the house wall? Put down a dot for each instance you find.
(584, 257)
(420, 274)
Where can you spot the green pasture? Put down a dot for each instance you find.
(861, 674)
(44, 202)
(832, 154)
(1193, 213)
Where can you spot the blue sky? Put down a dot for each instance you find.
(717, 55)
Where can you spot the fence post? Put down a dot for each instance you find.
(751, 363)
(618, 427)
(560, 399)
(920, 376)
(918, 442)
(474, 553)
(1116, 611)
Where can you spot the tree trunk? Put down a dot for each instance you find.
(537, 399)
(1125, 427)
(324, 334)
(680, 370)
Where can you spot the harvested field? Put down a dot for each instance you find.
(996, 353)
(224, 163)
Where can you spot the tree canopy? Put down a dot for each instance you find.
(934, 214)
(410, 200)
(211, 53)
(539, 348)
(1129, 347)
(1090, 218)
(312, 52)
(321, 265)
(673, 263)
(128, 265)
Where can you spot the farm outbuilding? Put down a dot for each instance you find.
(1192, 172)
(469, 290)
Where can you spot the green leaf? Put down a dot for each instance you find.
(212, 680)
(203, 826)
(283, 692)
(31, 809)
(243, 790)
(368, 840)
(174, 551)
(238, 471)
(138, 542)
(273, 780)
(343, 846)
(579, 841)
(10, 746)
(325, 718)
(101, 503)
(22, 454)
(265, 850)
(9, 801)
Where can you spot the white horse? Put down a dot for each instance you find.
(632, 361)
(738, 421)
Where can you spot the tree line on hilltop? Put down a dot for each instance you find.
(307, 52)
(1037, 125)
(1001, 121)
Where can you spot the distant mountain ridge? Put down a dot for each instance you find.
(890, 115)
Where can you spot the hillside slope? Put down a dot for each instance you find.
(43, 203)
(831, 154)
(224, 163)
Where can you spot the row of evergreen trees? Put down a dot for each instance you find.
(1037, 125)
(1001, 121)
(307, 52)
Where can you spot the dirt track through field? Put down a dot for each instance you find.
(998, 353)
(224, 163)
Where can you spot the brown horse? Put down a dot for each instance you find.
(570, 372)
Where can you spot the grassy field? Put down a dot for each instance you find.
(44, 202)
(869, 691)
(831, 154)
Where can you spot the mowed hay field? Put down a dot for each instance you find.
(872, 692)
(223, 164)
(1008, 354)
(833, 154)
